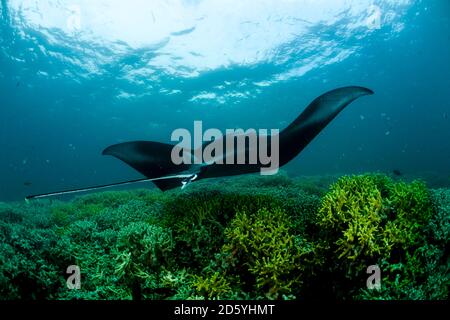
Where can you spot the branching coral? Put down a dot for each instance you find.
(374, 220)
(215, 286)
(26, 270)
(351, 216)
(262, 245)
(142, 251)
(244, 238)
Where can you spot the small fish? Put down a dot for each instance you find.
(445, 115)
(397, 172)
(18, 84)
(27, 184)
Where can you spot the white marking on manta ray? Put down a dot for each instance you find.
(189, 178)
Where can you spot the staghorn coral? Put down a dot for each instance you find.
(142, 251)
(215, 286)
(263, 247)
(27, 271)
(248, 237)
(371, 219)
(351, 216)
(198, 219)
(439, 225)
(410, 209)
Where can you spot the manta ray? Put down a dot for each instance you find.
(153, 159)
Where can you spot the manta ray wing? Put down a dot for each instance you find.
(152, 159)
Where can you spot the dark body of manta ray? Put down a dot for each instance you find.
(153, 159)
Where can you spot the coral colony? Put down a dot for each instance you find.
(253, 237)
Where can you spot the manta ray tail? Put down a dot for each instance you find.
(79, 190)
(152, 159)
(163, 183)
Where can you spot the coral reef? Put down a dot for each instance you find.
(262, 246)
(372, 220)
(249, 237)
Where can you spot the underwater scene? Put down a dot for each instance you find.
(224, 150)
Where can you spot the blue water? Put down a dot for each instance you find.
(77, 76)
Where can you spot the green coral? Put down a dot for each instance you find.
(411, 208)
(371, 219)
(262, 245)
(27, 270)
(142, 251)
(215, 286)
(439, 225)
(351, 214)
(246, 237)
